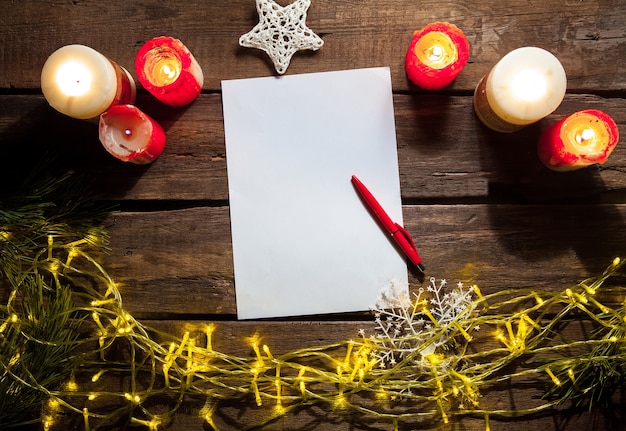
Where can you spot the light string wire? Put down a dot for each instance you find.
(160, 372)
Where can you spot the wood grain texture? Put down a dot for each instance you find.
(180, 262)
(444, 151)
(588, 36)
(479, 204)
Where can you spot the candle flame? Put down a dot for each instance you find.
(163, 68)
(435, 53)
(529, 85)
(436, 50)
(585, 136)
(73, 78)
(168, 72)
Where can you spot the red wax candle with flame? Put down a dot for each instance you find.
(579, 140)
(436, 55)
(166, 68)
(130, 135)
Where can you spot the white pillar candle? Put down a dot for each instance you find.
(526, 85)
(78, 81)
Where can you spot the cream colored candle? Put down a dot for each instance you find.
(526, 85)
(78, 81)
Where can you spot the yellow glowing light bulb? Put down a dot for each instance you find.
(340, 402)
(554, 378)
(571, 375)
(255, 388)
(47, 422)
(71, 386)
(381, 394)
(53, 403)
(300, 378)
(207, 413)
(97, 376)
(209, 337)
(154, 423)
(267, 351)
(14, 360)
(588, 289)
(54, 267)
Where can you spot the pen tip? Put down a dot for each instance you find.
(421, 267)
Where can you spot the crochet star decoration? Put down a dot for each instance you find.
(281, 32)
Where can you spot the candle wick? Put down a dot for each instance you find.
(128, 133)
(585, 136)
(436, 52)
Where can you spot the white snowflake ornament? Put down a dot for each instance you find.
(405, 326)
(281, 32)
(394, 295)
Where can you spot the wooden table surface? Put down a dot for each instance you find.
(483, 207)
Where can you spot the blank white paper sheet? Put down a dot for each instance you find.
(303, 241)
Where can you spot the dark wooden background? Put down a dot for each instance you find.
(480, 205)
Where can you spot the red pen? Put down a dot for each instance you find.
(397, 232)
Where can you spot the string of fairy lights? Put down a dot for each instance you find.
(430, 365)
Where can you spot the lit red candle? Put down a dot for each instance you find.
(78, 81)
(579, 140)
(167, 70)
(436, 55)
(130, 135)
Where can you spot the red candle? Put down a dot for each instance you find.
(436, 55)
(130, 135)
(579, 140)
(166, 68)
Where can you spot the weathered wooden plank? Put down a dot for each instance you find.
(180, 262)
(322, 420)
(587, 36)
(480, 206)
(190, 248)
(443, 150)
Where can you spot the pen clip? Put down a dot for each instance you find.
(403, 231)
(416, 259)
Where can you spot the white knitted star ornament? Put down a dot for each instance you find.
(281, 32)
